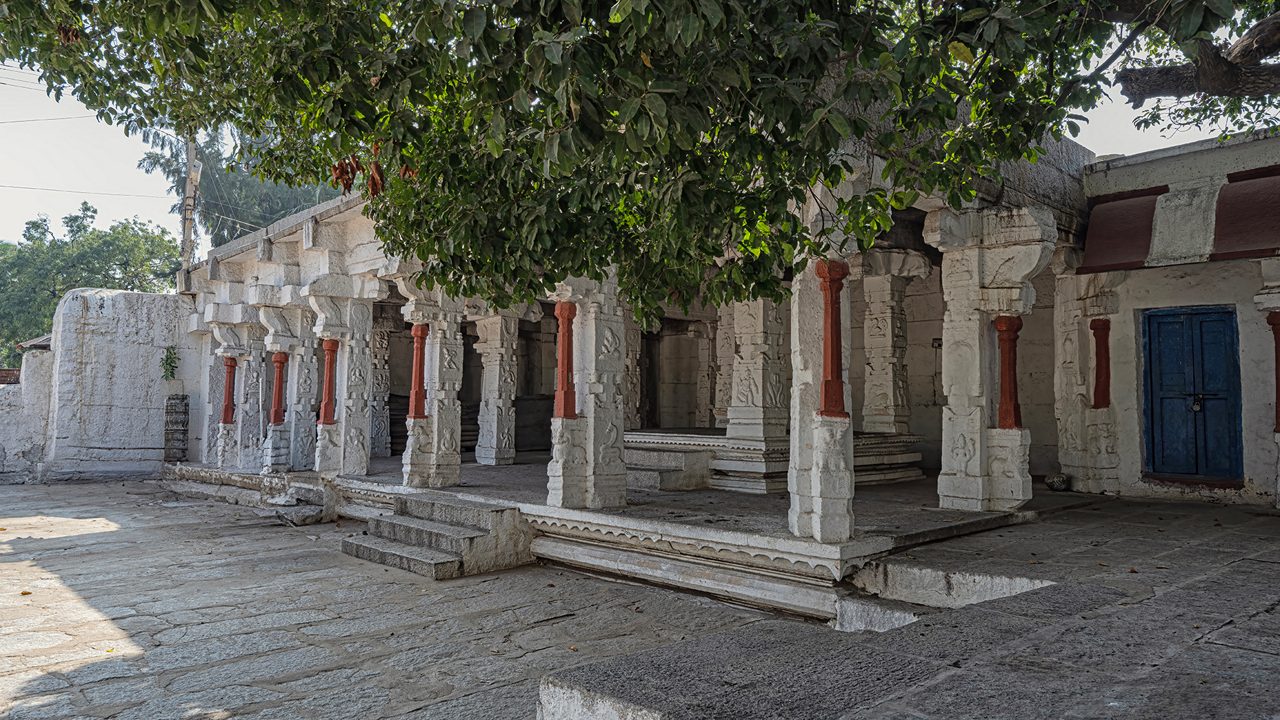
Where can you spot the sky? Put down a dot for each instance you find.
(63, 151)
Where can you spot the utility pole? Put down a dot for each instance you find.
(188, 214)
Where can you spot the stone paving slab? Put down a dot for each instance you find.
(144, 606)
(1158, 610)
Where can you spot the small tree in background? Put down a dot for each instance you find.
(231, 200)
(43, 266)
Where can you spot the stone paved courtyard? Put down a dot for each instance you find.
(120, 600)
(145, 606)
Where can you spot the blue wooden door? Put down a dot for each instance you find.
(1192, 393)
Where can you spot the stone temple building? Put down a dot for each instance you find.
(1091, 322)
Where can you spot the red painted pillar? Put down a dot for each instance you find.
(418, 376)
(229, 391)
(832, 274)
(1273, 319)
(1010, 413)
(1101, 328)
(330, 346)
(277, 388)
(566, 405)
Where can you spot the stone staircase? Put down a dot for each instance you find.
(441, 536)
(667, 468)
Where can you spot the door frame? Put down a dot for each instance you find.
(1148, 428)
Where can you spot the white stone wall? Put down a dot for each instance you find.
(1226, 283)
(1036, 363)
(108, 393)
(25, 409)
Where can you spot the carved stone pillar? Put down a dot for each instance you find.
(380, 385)
(358, 390)
(1087, 437)
(433, 455)
(303, 388)
(886, 406)
(821, 470)
(989, 258)
(328, 434)
(754, 458)
(705, 334)
(227, 421)
(1268, 300)
(417, 451)
(726, 348)
(497, 346)
(586, 468)
(631, 395)
(251, 427)
(275, 450)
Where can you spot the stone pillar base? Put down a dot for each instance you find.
(571, 479)
(275, 450)
(422, 466)
(226, 444)
(822, 505)
(495, 456)
(751, 466)
(328, 449)
(1006, 483)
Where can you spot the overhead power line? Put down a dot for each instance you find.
(48, 119)
(83, 192)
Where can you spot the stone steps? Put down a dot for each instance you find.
(440, 535)
(436, 564)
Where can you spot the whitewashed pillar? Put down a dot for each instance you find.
(1267, 301)
(726, 348)
(356, 380)
(251, 425)
(226, 367)
(280, 340)
(886, 273)
(434, 454)
(989, 258)
(586, 468)
(705, 335)
(820, 475)
(304, 384)
(631, 396)
(497, 346)
(332, 332)
(754, 458)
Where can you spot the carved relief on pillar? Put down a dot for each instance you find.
(251, 421)
(705, 334)
(725, 351)
(358, 394)
(380, 382)
(631, 393)
(754, 458)
(304, 384)
(433, 454)
(497, 347)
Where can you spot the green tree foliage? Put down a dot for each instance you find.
(39, 269)
(511, 143)
(231, 200)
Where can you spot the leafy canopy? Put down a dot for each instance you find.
(510, 144)
(42, 267)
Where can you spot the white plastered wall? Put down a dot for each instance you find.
(108, 392)
(25, 409)
(1224, 283)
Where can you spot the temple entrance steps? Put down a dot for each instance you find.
(442, 536)
(667, 468)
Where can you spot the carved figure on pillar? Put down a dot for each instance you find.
(433, 454)
(754, 457)
(886, 273)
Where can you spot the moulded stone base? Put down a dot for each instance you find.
(275, 450)
(1005, 486)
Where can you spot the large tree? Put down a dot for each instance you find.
(515, 142)
(231, 200)
(39, 269)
